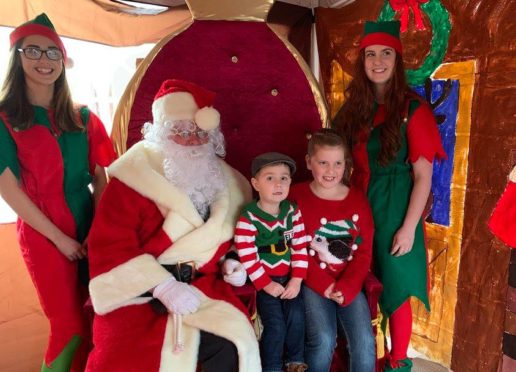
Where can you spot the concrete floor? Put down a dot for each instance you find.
(423, 365)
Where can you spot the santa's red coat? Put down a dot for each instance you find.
(143, 222)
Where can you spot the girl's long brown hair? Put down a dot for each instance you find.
(357, 114)
(15, 104)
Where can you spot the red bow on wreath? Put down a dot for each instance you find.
(403, 6)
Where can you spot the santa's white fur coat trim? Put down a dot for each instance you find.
(221, 319)
(141, 169)
(122, 285)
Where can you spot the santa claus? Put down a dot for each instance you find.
(162, 227)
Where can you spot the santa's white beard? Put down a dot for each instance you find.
(193, 169)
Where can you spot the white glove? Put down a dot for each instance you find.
(178, 298)
(234, 272)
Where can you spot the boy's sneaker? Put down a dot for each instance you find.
(297, 367)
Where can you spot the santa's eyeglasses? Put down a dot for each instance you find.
(186, 129)
(185, 134)
(36, 53)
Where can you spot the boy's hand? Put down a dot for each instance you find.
(274, 289)
(292, 289)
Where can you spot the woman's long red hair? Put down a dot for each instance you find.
(357, 114)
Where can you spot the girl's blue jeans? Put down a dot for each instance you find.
(323, 318)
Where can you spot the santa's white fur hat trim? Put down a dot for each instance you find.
(183, 100)
(207, 118)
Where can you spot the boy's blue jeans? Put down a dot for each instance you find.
(323, 316)
(283, 329)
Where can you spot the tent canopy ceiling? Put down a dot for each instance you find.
(116, 22)
(304, 3)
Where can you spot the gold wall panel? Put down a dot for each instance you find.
(433, 332)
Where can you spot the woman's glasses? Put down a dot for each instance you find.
(35, 53)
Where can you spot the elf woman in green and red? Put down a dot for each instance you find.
(395, 140)
(51, 152)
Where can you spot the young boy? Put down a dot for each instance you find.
(271, 242)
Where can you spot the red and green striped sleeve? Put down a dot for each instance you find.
(245, 242)
(299, 258)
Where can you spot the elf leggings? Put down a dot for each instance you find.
(400, 326)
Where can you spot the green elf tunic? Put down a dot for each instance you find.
(54, 169)
(388, 189)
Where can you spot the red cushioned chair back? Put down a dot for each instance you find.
(263, 95)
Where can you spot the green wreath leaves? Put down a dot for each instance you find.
(441, 27)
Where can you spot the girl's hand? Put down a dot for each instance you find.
(329, 290)
(292, 289)
(333, 295)
(338, 297)
(402, 242)
(72, 249)
(274, 289)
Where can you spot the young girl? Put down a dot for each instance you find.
(394, 139)
(51, 152)
(339, 222)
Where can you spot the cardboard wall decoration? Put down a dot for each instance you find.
(468, 266)
(23, 326)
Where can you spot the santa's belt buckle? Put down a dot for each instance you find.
(277, 252)
(183, 271)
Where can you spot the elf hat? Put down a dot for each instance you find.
(382, 33)
(40, 25)
(179, 100)
(334, 229)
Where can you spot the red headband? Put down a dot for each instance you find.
(381, 38)
(28, 29)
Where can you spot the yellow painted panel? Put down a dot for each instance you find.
(444, 270)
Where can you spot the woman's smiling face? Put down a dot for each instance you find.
(379, 64)
(41, 71)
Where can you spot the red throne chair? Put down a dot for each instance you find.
(266, 95)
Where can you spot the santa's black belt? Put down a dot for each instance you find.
(278, 249)
(183, 272)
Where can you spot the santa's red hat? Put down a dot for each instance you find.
(178, 100)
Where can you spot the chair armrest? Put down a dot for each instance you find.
(373, 289)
